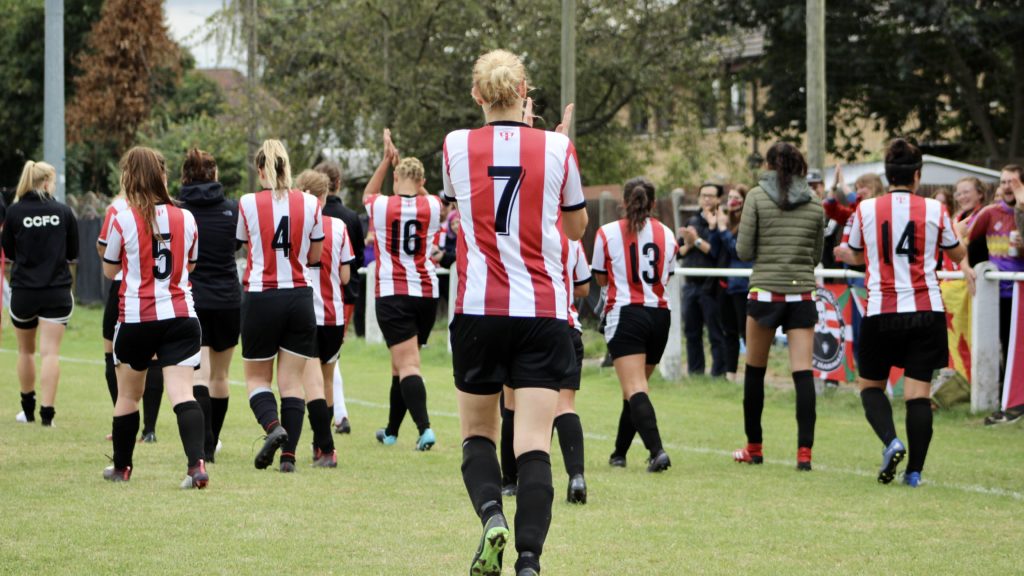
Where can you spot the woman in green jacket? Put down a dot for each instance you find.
(782, 231)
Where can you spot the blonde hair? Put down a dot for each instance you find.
(316, 183)
(497, 76)
(409, 169)
(272, 158)
(144, 182)
(33, 176)
(872, 181)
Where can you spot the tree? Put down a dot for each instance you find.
(129, 61)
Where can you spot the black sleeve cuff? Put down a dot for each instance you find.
(348, 261)
(101, 242)
(855, 249)
(581, 282)
(109, 261)
(951, 246)
(596, 271)
(320, 239)
(575, 207)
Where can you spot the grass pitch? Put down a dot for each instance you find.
(390, 510)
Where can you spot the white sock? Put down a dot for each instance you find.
(340, 410)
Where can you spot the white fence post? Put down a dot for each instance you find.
(453, 293)
(985, 345)
(671, 366)
(373, 333)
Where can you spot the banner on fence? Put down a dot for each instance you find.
(833, 335)
(957, 301)
(1013, 382)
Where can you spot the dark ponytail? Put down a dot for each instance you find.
(787, 162)
(638, 197)
(198, 166)
(902, 161)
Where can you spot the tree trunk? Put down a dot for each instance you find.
(967, 80)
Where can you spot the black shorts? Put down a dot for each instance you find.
(573, 381)
(491, 351)
(636, 329)
(278, 320)
(328, 342)
(111, 310)
(30, 305)
(789, 315)
(402, 317)
(221, 328)
(174, 342)
(914, 341)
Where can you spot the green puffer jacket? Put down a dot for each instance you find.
(785, 244)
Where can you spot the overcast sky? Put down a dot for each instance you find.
(184, 18)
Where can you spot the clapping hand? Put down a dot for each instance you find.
(1017, 187)
(722, 217)
(563, 126)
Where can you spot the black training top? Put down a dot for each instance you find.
(215, 284)
(40, 237)
(335, 208)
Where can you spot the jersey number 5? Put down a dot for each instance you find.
(163, 259)
(513, 177)
(653, 253)
(282, 239)
(905, 247)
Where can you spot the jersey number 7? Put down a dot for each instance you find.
(513, 177)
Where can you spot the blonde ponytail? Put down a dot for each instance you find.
(409, 169)
(498, 76)
(272, 158)
(33, 176)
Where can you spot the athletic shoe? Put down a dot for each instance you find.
(509, 490)
(893, 454)
(912, 479)
(196, 477)
(487, 561)
(659, 463)
(326, 460)
(271, 442)
(577, 492)
(148, 438)
(219, 446)
(524, 558)
(750, 455)
(426, 441)
(112, 474)
(287, 466)
(384, 439)
(803, 459)
(343, 427)
(527, 572)
(616, 461)
(20, 417)
(1008, 416)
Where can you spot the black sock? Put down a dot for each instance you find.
(482, 475)
(415, 395)
(753, 402)
(624, 437)
(219, 407)
(806, 414)
(46, 414)
(919, 432)
(124, 430)
(151, 398)
(533, 504)
(111, 376)
(292, 412)
(320, 424)
(570, 438)
(28, 405)
(646, 421)
(191, 429)
(202, 396)
(264, 407)
(509, 472)
(878, 411)
(396, 412)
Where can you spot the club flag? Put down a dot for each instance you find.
(957, 301)
(833, 334)
(1013, 382)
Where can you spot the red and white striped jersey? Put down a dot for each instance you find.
(279, 230)
(118, 205)
(403, 228)
(326, 278)
(637, 264)
(579, 274)
(511, 183)
(901, 235)
(154, 266)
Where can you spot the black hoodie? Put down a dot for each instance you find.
(335, 208)
(215, 283)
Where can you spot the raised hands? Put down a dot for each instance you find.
(563, 126)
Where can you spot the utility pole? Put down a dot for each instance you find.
(816, 110)
(53, 92)
(569, 59)
(250, 84)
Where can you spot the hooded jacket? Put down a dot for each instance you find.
(215, 284)
(784, 240)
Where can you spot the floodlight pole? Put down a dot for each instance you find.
(53, 92)
(569, 59)
(816, 103)
(250, 84)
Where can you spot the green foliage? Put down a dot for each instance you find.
(218, 136)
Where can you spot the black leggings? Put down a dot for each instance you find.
(734, 323)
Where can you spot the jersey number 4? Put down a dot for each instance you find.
(652, 252)
(282, 239)
(163, 259)
(905, 247)
(513, 177)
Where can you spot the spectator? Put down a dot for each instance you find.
(996, 224)
(732, 295)
(866, 186)
(700, 304)
(833, 230)
(969, 199)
